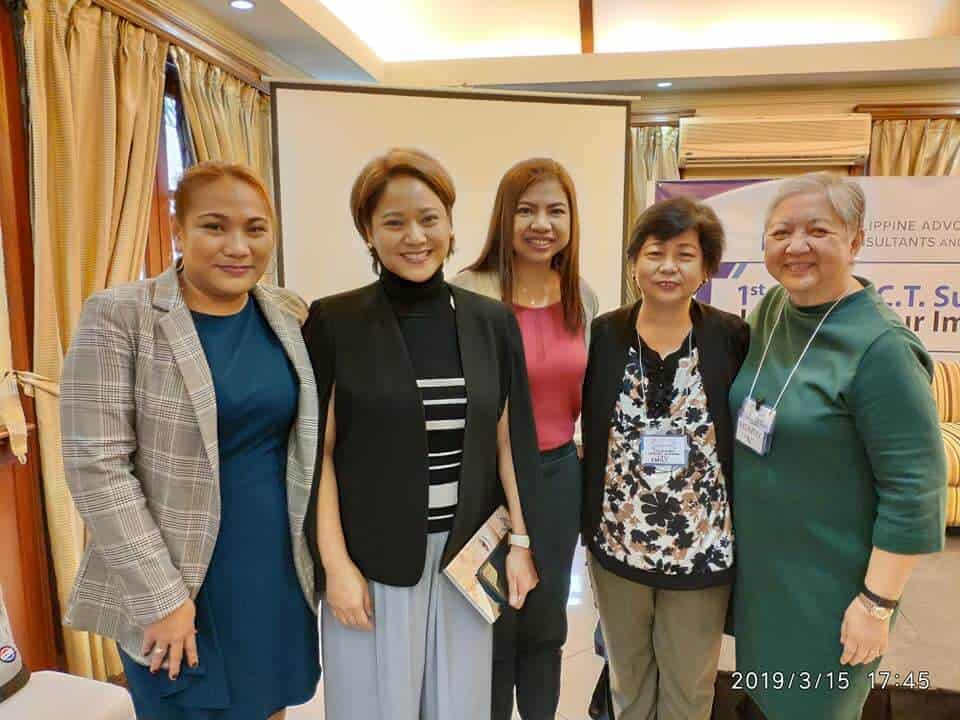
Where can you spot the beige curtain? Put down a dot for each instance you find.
(228, 119)
(12, 379)
(11, 411)
(653, 157)
(96, 91)
(915, 147)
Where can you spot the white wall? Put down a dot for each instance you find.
(325, 136)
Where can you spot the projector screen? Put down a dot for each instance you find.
(325, 134)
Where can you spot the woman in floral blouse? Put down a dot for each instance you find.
(658, 447)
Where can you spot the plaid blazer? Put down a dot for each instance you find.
(139, 422)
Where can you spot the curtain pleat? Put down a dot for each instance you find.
(96, 92)
(228, 119)
(11, 411)
(915, 147)
(653, 157)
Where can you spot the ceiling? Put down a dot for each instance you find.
(404, 30)
(653, 25)
(412, 30)
(376, 40)
(274, 27)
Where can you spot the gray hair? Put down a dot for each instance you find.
(844, 195)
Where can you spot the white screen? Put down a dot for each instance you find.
(324, 135)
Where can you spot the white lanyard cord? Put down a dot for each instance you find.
(799, 360)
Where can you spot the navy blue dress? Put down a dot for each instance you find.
(256, 635)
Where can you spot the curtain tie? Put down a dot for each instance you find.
(11, 411)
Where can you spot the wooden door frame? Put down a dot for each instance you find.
(159, 241)
(159, 252)
(39, 647)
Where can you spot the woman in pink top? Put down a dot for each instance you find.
(531, 262)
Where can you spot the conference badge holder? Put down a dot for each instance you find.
(755, 420)
(667, 451)
(664, 450)
(755, 425)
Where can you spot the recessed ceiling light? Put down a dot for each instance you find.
(242, 4)
(665, 84)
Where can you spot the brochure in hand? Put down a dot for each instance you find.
(479, 569)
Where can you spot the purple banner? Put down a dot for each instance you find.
(699, 189)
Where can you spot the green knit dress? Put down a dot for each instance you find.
(856, 462)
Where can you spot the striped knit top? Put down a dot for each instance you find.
(428, 324)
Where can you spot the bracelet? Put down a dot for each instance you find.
(878, 600)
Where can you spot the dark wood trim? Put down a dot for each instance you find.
(174, 29)
(275, 144)
(153, 262)
(40, 647)
(570, 99)
(663, 117)
(586, 26)
(15, 202)
(452, 94)
(159, 253)
(626, 208)
(911, 111)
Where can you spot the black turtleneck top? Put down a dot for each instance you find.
(365, 359)
(428, 324)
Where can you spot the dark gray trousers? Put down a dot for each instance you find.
(528, 644)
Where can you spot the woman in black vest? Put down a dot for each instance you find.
(429, 428)
(658, 449)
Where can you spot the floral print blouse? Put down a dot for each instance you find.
(664, 526)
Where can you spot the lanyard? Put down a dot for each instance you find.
(802, 354)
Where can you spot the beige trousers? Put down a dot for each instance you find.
(663, 646)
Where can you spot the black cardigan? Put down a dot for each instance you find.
(380, 455)
(722, 341)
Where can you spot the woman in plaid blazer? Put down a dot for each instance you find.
(189, 415)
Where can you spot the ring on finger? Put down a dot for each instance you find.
(159, 651)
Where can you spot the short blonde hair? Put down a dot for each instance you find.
(372, 181)
(204, 173)
(844, 195)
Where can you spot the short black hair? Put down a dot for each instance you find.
(668, 218)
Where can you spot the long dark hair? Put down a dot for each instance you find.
(497, 253)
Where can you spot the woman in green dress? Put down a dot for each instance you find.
(840, 468)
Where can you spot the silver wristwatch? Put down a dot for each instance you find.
(520, 540)
(877, 612)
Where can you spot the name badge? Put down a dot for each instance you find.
(683, 372)
(755, 426)
(664, 450)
